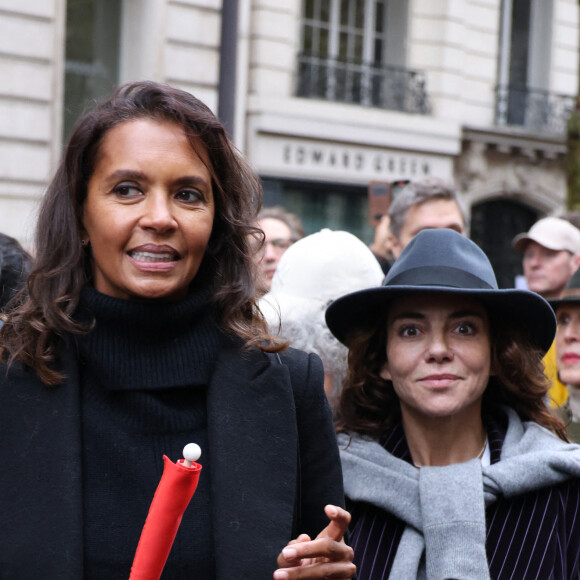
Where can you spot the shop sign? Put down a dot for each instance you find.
(310, 159)
(381, 164)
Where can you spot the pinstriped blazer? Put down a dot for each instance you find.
(533, 536)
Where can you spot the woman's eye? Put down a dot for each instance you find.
(127, 190)
(465, 328)
(408, 331)
(563, 319)
(189, 196)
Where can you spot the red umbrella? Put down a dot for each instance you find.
(174, 492)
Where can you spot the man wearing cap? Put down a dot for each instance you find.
(551, 255)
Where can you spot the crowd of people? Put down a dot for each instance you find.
(386, 410)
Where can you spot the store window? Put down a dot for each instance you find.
(354, 51)
(92, 55)
(322, 205)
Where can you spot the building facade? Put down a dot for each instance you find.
(323, 96)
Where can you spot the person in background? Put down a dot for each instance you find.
(139, 333)
(567, 310)
(14, 268)
(313, 272)
(381, 244)
(551, 254)
(281, 229)
(429, 203)
(453, 465)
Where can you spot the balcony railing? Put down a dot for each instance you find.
(533, 109)
(386, 87)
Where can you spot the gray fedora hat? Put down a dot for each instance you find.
(443, 261)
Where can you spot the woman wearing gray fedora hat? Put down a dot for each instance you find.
(567, 310)
(453, 465)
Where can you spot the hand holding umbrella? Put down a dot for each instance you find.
(173, 494)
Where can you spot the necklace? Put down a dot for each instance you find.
(479, 455)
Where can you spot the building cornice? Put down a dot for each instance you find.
(514, 139)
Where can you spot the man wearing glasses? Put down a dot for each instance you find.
(281, 229)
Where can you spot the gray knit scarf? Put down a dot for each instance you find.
(444, 507)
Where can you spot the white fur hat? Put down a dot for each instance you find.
(315, 271)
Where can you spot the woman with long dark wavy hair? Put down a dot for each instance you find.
(137, 333)
(453, 465)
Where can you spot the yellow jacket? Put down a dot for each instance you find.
(557, 393)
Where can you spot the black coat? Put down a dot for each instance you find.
(274, 465)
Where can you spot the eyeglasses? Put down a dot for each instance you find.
(279, 245)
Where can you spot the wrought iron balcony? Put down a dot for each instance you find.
(534, 109)
(386, 87)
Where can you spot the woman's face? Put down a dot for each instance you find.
(149, 211)
(438, 355)
(568, 343)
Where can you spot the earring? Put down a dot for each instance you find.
(84, 242)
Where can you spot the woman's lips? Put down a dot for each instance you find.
(152, 252)
(439, 380)
(570, 358)
(152, 258)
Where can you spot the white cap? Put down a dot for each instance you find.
(552, 233)
(316, 270)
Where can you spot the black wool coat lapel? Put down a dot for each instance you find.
(254, 446)
(40, 477)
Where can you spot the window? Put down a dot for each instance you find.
(92, 55)
(322, 205)
(523, 95)
(354, 51)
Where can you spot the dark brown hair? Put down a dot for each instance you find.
(62, 267)
(369, 405)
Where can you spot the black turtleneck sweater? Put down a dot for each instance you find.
(145, 368)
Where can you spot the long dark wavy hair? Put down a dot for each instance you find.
(368, 404)
(62, 267)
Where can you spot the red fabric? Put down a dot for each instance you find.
(175, 490)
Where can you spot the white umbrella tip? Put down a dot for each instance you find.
(192, 452)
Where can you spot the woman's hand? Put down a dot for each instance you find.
(325, 557)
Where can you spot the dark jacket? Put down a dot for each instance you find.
(275, 465)
(531, 535)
